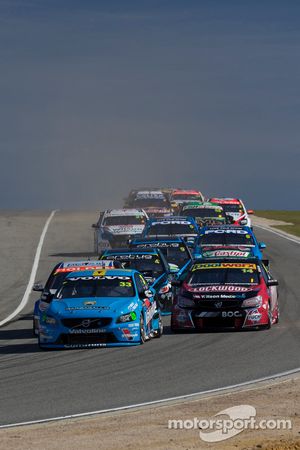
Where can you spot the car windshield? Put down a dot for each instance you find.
(246, 274)
(186, 197)
(176, 255)
(203, 212)
(171, 229)
(151, 203)
(147, 264)
(232, 208)
(124, 220)
(83, 287)
(226, 238)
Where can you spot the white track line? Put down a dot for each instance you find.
(281, 234)
(156, 402)
(32, 275)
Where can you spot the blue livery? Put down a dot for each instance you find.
(101, 308)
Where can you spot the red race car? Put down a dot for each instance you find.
(226, 293)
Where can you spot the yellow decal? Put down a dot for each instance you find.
(223, 266)
(99, 273)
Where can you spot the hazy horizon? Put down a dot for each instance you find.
(99, 97)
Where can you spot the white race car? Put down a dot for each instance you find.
(116, 226)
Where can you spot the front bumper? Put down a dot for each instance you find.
(235, 318)
(110, 335)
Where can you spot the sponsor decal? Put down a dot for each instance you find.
(226, 231)
(223, 266)
(130, 256)
(132, 306)
(226, 253)
(231, 314)
(254, 315)
(113, 277)
(172, 222)
(79, 268)
(83, 308)
(150, 312)
(87, 331)
(90, 303)
(220, 289)
(159, 245)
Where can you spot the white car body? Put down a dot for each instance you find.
(241, 216)
(116, 226)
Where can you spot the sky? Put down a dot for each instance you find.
(101, 96)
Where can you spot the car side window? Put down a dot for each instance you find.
(141, 283)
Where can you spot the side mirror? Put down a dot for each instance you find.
(261, 245)
(47, 297)
(272, 283)
(250, 211)
(173, 268)
(95, 225)
(38, 287)
(266, 262)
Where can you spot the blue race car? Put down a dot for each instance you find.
(101, 308)
(55, 281)
(226, 237)
(185, 227)
(154, 267)
(174, 249)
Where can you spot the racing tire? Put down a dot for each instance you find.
(278, 315)
(142, 331)
(159, 332)
(34, 331)
(269, 324)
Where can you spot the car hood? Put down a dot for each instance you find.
(95, 306)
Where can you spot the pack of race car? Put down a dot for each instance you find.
(167, 252)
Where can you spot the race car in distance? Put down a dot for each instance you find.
(235, 208)
(101, 308)
(205, 213)
(128, 201)
(174, 249)
(226, 293)
(55, 281)
(155, 203)
(152, 264)
(180, 196)
(228, 236)
(185, 227)
(116, 226)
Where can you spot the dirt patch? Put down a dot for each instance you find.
(147, 429)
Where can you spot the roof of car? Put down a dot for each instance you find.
(201, 205)
(122, 251)
(166, 220)
(147, 240)
(186, 192)
(225, 200)
(124, 212)
(103, 272)
(71, 264)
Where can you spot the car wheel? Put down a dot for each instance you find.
(158, 333)
(269, 324)
(142, 330)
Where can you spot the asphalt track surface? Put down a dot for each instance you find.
(37, 384)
